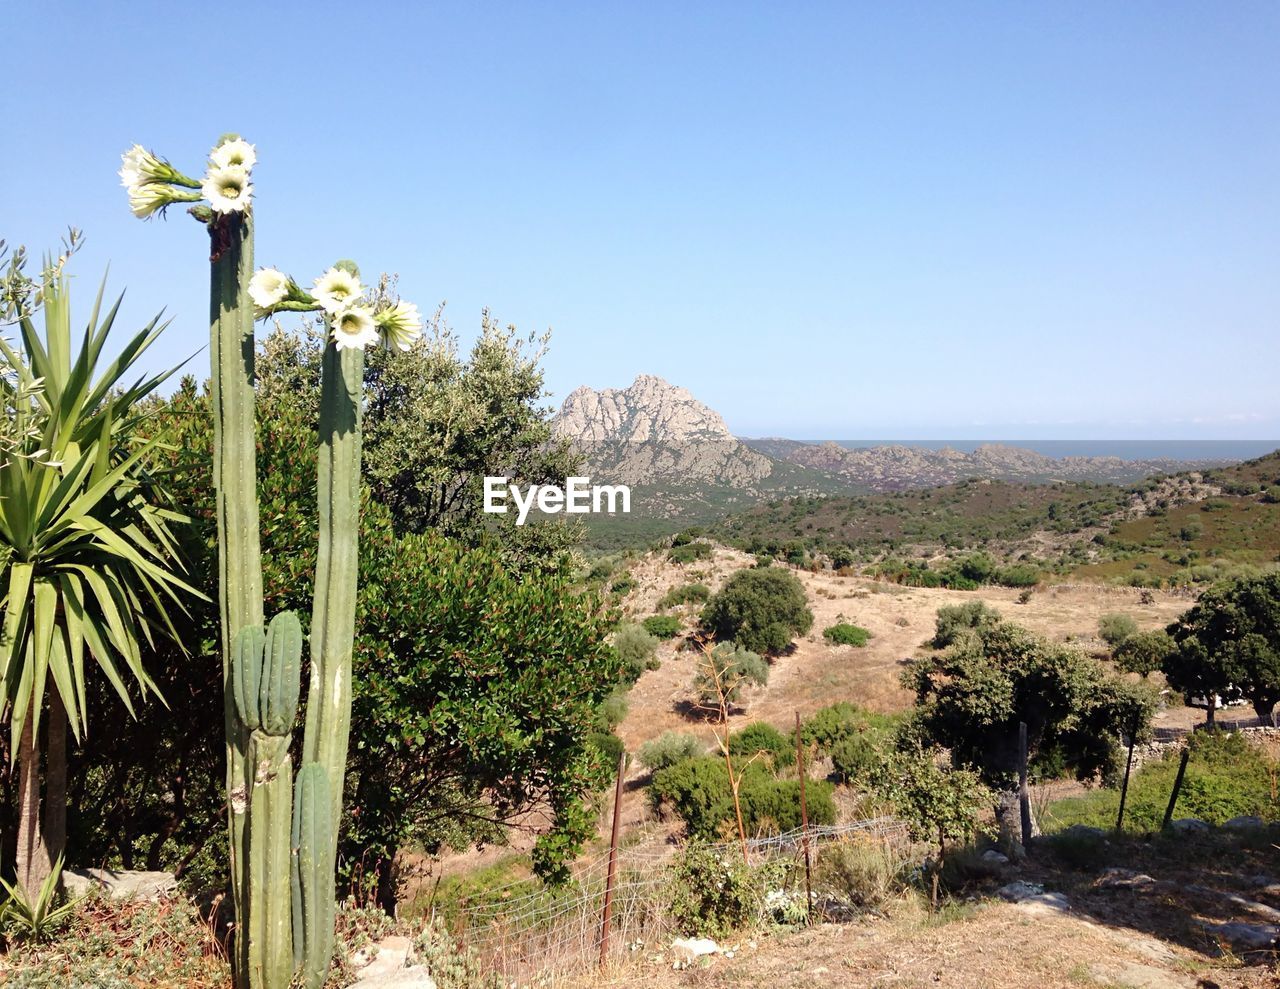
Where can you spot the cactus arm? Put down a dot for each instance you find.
(313, 877)
(333, 615)
(235, 482)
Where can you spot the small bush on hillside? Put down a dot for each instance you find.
(828, 725)
(760, 736)
(1018, 575)
(690, 552)
(1114, 627)
(601, 571)
(623, 585)
(685, 594)
(761, 610)
(845, 634)
(662, 626)
(953, 620)
(636, 648)
(608, 745)
(841, 557)
(712, 894)
(727, 669)
(668, 749)
(614, 708)
(698, 791)
(859, 756)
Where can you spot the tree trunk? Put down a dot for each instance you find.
(55, 780)
(32, 859)
(1212, 706)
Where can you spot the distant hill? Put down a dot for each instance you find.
(894, 467)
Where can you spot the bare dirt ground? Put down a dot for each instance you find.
(816, 674)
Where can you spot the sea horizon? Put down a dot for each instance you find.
(1187, 450)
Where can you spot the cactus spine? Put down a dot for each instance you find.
(235, 481)
(334, 610)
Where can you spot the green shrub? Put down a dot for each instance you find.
(698, 791)
(1144, 653)
(690, 552)
(623, 585)
(953, 620)
(608, 745)
(601, 571)
(761, 610)
(733, 668)
(662, 626)
(685, 594)
(841, 557)
(760, 736)
(1114, 627)
(614, 708)
(828, 725)
(844, 634)
(1018, 575)
(668, 749)
(1226, 777)
(712, 894)
(635, 648)
(859, 756)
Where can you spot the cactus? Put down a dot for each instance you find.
(265, 676)
(313, 875)
(235, 481)
(283, 851)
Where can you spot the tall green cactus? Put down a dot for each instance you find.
(235, 473)
(283, 846)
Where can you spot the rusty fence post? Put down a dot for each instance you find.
(804, 825)
(613, 862)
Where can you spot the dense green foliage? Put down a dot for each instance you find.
(1228, 644)
(712, 893)
(760, 609)
(690, 552)
(685, 594)
(953, 621)
(698, 791)
(762, 738)
(1226, 777)
(845, 634)
(635, 648)
(669, 748)
(1144, 653)
(662, 626)
(1114, 627)
(971, 698)
(479, 675)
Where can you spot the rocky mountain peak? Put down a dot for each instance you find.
(649, 410)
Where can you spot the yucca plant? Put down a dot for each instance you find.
(90, 564)
(36, 917)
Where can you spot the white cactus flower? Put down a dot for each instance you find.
(401, 325)
(237, 152)
(268, 286)
(227, 189)
(139, 166)
(354, 328)
(337, 289)
(146, 199)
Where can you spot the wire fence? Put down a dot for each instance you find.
(524, 927)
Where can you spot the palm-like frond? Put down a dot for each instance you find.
(91, 562)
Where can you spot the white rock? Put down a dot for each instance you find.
(121, 884)
(1245, 822)
(1189, 825)
(690, 948)
(994, 857)
(1018, 891)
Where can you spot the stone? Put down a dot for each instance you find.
(1245, 822)
(1016, 892)
(689, 949)
(1189, 825)
(993, 857)
(1242, 935)
(1084, 831)
(389, 965)
(120, 884)
(1123, 879)
(1045, 903)
(1132, 975)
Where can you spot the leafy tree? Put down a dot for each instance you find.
(477, 682)
(760, 609)
(90, 564)
(939, 803)
(971, 698)
(436, 424)
(1144, 653)
(1114, 627)
(1228, 644)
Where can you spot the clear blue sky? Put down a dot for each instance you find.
(1009, 220)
